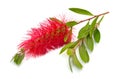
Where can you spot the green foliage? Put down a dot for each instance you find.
(71, 23)
(18, 58)
(81, 11)
(84, 42)
(70, 64)
(76, 61)
(100, 20)
(97, 35)
(66, 47)
(89, 43)
(74, 44)
(84, 31)
(83, 53)
(92, 26)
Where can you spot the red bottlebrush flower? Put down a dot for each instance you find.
(48, 36)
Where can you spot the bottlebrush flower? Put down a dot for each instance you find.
(50, 35)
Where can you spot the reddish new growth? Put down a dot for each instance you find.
(48, 36)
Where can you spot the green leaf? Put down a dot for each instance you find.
(70, 51)
(21, 57)
(100, 20)
(83, 53)
(81, 11)
(97, 35)
(89, 43)
(84, 31)
(18, 58)
(15, 58)
(69, 60)
(71, 23)
(66, 46)
(76, 61)
(92, 26)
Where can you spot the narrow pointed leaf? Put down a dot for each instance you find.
(100, 20)
(97, 35)
(66, 46)
(89, 43)
(84, 31)
(83, 53)
(92, 26)
(70, 64)
(76, 61)
(71, 23)
(81, 11)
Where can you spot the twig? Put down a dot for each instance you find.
(93, 17)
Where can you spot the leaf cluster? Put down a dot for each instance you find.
(87, 36)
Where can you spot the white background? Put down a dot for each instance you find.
(18, 16)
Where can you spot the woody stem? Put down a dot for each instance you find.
(93, 17)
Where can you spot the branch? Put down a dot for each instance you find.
(93, 17)
(80, 40)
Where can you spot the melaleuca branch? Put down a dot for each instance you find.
(96, 26)
(88, 19)
(54, 33)
(86, 37)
